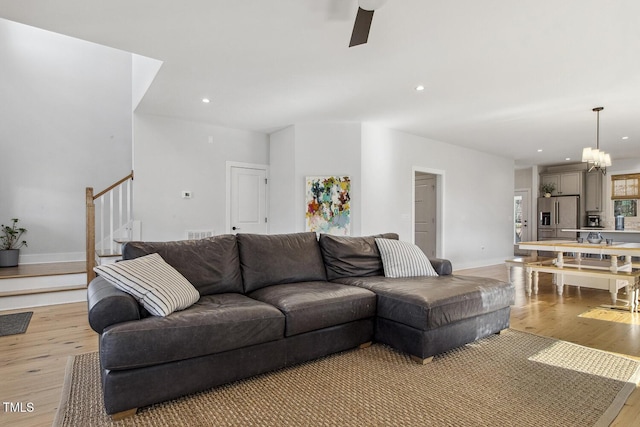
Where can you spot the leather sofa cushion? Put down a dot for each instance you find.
(211, 265)
(310, 306)
(346, 256)
(431, 302)
(214, 324)
(282, 258)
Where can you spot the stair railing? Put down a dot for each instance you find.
(114, 219)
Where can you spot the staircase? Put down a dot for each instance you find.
(109, 223)
(32, 285)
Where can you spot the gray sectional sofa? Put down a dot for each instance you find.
(271, 301)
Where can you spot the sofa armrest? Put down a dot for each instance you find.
(109, 305)
(442, 266)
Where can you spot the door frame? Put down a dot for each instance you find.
(231, 164)
(440, 199)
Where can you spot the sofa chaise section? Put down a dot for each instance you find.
(424, 315)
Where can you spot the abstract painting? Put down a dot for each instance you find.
(328, 205)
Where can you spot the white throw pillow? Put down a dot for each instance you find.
(403, 259)
(160, 288)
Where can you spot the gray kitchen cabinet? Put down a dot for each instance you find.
(567, 183)
(593, 191)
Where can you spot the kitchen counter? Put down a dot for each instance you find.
(600, 230)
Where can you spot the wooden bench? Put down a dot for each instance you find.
(591, 278)
(524, 262)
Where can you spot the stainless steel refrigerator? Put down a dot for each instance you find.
(556, 213)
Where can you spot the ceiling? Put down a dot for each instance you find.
(501, 76)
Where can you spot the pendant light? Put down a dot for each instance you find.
(596, 159)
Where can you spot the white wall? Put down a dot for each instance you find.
(65, 125)
(313, 149)
(477, 193)
(172, 155)
(282, 170)
(477, 187)
(523, 178)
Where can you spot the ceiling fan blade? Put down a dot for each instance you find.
(361, 27)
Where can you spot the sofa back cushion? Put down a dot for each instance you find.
(280, 258)
(352, 256)
(211, 265)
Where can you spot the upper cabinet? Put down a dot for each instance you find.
(566, 183)
(593, 192)
(625, 186)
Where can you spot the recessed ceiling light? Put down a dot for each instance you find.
(625, 137)
(206, 100)
(539, 150)
(567, 158)
(419, 88)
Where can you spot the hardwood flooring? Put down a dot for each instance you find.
(32, 365)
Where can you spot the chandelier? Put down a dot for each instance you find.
(596, 159)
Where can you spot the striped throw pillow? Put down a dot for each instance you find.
(157, 286)
(403, 259)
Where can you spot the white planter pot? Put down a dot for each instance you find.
(9, 257)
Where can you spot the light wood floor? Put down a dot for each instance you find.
(32, 365)
(35, 270)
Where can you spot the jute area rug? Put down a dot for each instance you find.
(511, 379)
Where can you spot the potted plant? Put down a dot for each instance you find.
(10, 243)
(547, 188)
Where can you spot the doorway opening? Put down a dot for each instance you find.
(521, 212)
(427, 211)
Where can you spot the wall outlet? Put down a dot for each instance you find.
(186, 194)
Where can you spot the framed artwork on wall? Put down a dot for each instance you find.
(328, 206)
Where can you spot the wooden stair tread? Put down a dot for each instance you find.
(19, 292)
(47, 269)
(108, 253)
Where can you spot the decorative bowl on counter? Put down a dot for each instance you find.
(594, 238)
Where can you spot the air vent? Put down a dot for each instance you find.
(199, 234)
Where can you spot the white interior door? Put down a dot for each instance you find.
(248, 200)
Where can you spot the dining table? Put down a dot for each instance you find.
(614, 251)
(601, 265)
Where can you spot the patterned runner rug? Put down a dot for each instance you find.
(510, 379)
(14, 324)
